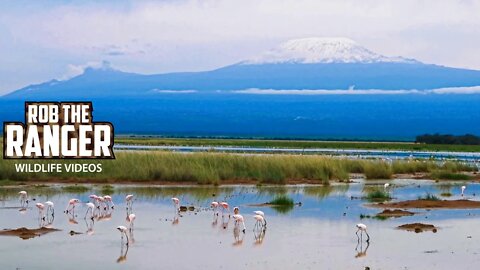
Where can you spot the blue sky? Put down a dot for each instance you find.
(57, 39)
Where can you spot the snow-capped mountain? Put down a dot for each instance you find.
(323, 50)
(300, 64)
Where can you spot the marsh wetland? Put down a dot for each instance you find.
(317, 231)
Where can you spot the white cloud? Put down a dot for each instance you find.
(193, 35)
(351, 91)
(75, 70)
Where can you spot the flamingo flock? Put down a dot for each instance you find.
(98, 205)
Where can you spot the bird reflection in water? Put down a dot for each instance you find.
(123, 253)
(238, 236)
(361, 252)
(259, 235)
(90, 222)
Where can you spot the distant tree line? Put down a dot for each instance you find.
(467, 139)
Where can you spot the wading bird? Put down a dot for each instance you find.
(90, 209)
(123, 231)
(71, 205)
(129, 201)
(260, 213)
(50, 208)
(23, 198)
(386, 186)
(463, 190)
(224, 208)
(214, 205)
(362, 228)
(176, 204)
(108, 201)
(259, 222)
(130, 220)
(41, 208)
(238, 219)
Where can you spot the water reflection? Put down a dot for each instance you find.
(319, 224)
(361, 252)
(123, 253)
(238, 236)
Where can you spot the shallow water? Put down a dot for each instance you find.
(319, 234)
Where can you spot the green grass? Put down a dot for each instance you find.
(446, 194)
(429, 197)
(409, 146)
(376, 195)
(282, 200)
(75, 188)
(447, 175)
(217, 168)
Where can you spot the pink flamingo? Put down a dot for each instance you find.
(41, 208)
(214, 205)
(225, 207)
(130, 220)
(108, 201)
(129, 200)
(71, 205)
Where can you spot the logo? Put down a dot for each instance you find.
(58, 130)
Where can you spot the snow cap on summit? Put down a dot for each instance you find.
(323, 50)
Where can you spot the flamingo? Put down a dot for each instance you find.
(100, 202)
(214, 205)
(362, 228)
(71, 205)
(260, 213)
(50, 207)
(130, 220)
(176, 203)
(108, 201)
(386, 186)
(463, 190)
(93, 199)
(123, 231)
(41, 208)
(129, 200)
(90, 208)
(23, 198)
(225, 206)
(239, 219)
(259, 221)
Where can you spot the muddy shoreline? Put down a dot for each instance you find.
(429, 204)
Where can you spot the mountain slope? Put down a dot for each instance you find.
(298, 64)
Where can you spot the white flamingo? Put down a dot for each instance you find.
(463, 190)
(225, 207)
(176, 204)
(129, 200)
(260, 213)
(108, 201)
(238, 219)
(362, 228)
(23, 198)
(50, 208)
(90, 209)
(123, 231)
